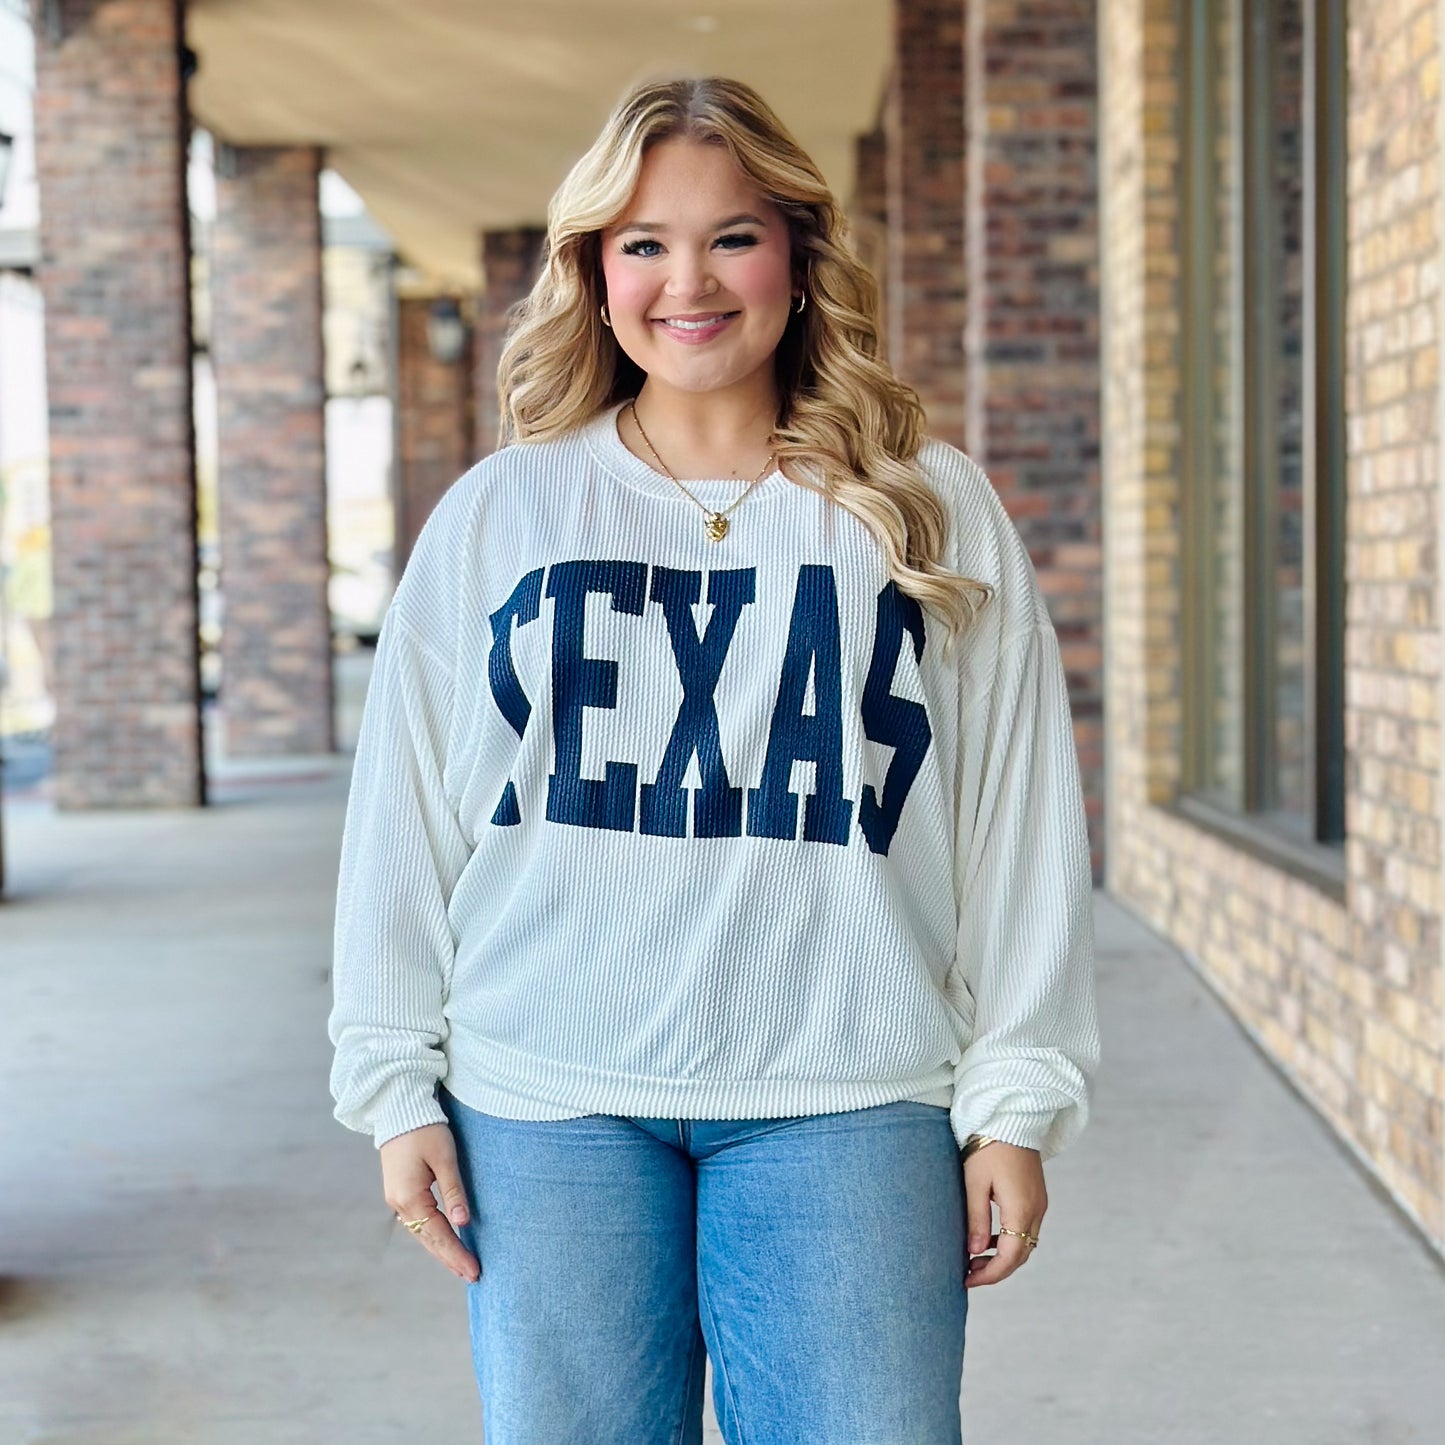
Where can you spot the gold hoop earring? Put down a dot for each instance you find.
(802, 302)
(606, 319)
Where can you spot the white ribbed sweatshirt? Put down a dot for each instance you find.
(646, 824)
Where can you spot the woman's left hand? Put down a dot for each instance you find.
(1014, 1176)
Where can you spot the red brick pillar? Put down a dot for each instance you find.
(270, 392)
(868, 213)
(923, 122)
(509, 267)
(434, 423)
(1033, 333)
(111, 127)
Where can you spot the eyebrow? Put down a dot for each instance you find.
(719, 226)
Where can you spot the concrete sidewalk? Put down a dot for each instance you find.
(192, 1250)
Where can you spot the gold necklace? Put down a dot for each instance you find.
(715, 524)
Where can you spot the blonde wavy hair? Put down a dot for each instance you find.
(843, 417)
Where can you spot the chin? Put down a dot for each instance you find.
(700, 380)
(694, 384)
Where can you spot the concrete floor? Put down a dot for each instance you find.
(192, 1250)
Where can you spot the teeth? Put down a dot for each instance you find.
(695, 325)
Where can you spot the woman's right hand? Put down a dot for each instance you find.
(410, 1164)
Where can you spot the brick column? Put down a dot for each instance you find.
(923, 121)
(1368, 1032)
(111, 128)
(434, 423)
(270, 389)
(868, 213)
(509, 266)
(1032, 337)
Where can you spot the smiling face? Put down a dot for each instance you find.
(698, 272)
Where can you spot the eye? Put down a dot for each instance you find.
(634, 248)
(745, 237)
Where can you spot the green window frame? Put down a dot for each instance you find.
(1236, 465)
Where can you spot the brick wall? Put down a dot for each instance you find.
(111, 127)
(270, 388)
(1379, 1020)
(1342, 988)
(923, 122)
(509, 267)
(434, 423)
(868, 213)
(1032, 334)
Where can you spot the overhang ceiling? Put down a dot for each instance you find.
(450, 118)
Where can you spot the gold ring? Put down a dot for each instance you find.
(415, 1225)
(1029, 1239)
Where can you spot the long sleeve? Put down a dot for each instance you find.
(402, 852)
(1026, 932)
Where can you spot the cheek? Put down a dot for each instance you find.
(762, 279)
(628, 289)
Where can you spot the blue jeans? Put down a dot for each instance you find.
(819, 1261)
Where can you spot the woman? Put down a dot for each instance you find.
(715, 872)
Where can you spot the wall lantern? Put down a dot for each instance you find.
(446, 331)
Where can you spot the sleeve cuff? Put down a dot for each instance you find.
(401, 1105)
(1049, 1131)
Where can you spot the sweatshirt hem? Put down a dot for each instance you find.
(547, 1090)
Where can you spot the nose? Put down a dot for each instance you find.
(689, 278)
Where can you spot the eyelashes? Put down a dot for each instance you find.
(634, 248)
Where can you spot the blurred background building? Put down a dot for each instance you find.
(1169, 269)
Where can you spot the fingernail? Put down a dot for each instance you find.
(459, 1215)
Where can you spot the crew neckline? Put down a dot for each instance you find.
(606, 444)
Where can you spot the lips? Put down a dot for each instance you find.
(690, 330)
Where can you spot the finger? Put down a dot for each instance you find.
(1012, 1252)
(443, 1161)
(440, 1239)
(979, 1212)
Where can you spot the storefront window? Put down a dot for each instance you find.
(1261, 560)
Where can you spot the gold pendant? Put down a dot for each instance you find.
(716, 527)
